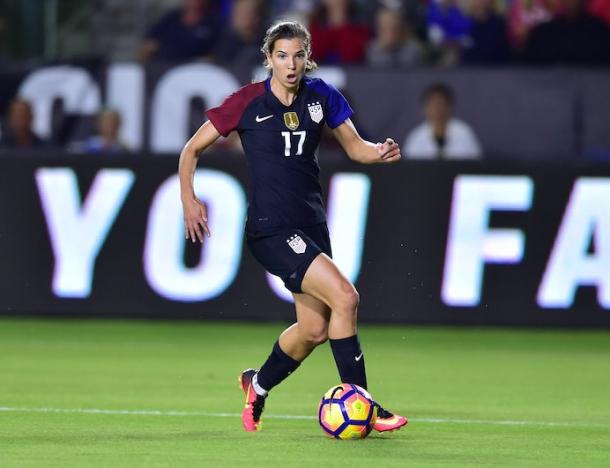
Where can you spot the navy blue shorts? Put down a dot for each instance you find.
(288, 253)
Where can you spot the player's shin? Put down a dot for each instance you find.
(350, 360)
(276, 368)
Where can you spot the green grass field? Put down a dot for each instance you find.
(114, 393)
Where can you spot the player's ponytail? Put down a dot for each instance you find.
(288, 30)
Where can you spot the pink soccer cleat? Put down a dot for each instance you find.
(387, 421)
(251, 415)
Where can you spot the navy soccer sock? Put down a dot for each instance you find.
(276, 368)
(350, 360)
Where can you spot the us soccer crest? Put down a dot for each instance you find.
(297, 244)
(315, 112)
(291, 119)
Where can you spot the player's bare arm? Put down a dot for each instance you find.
(363, 151)
(195, 212)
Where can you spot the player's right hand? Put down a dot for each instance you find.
(195, 219)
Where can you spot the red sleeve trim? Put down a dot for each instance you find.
(226, 117)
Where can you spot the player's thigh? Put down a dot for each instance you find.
(325, 282)
(312, 316)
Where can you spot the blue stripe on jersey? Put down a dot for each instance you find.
(337, 107)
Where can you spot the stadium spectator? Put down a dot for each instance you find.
(336, 36)
(394, 43)
(18, 134)
(448, 31)
(240, 41)
(441, 135)
(184, 33)
(107, 138)
(574, 37)
(488, 34)
(524, 15)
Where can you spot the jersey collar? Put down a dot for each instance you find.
(275, 103)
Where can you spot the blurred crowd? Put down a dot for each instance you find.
(392, 33)
(375, 33)
(18, 133)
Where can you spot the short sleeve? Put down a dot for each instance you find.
(338, 109)
(226, 116)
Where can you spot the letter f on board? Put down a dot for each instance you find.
(471, 242)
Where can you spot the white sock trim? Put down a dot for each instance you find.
(257, 388)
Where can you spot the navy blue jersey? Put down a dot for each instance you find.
(281, 144)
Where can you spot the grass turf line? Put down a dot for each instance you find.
(462, 374)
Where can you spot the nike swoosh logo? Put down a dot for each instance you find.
(262, 119)
(357, 358)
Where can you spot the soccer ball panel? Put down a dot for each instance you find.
(354, 432)
(366, 394)
(358, 407)
(332, 416)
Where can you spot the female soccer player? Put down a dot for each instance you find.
(279, 121)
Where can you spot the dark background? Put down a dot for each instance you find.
(403, 257)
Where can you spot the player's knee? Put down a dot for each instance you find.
(317, 336)
(347, 298)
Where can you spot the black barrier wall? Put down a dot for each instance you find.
(425, 242)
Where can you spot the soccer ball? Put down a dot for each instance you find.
(347, 411)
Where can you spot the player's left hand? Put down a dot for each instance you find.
(389, 151)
